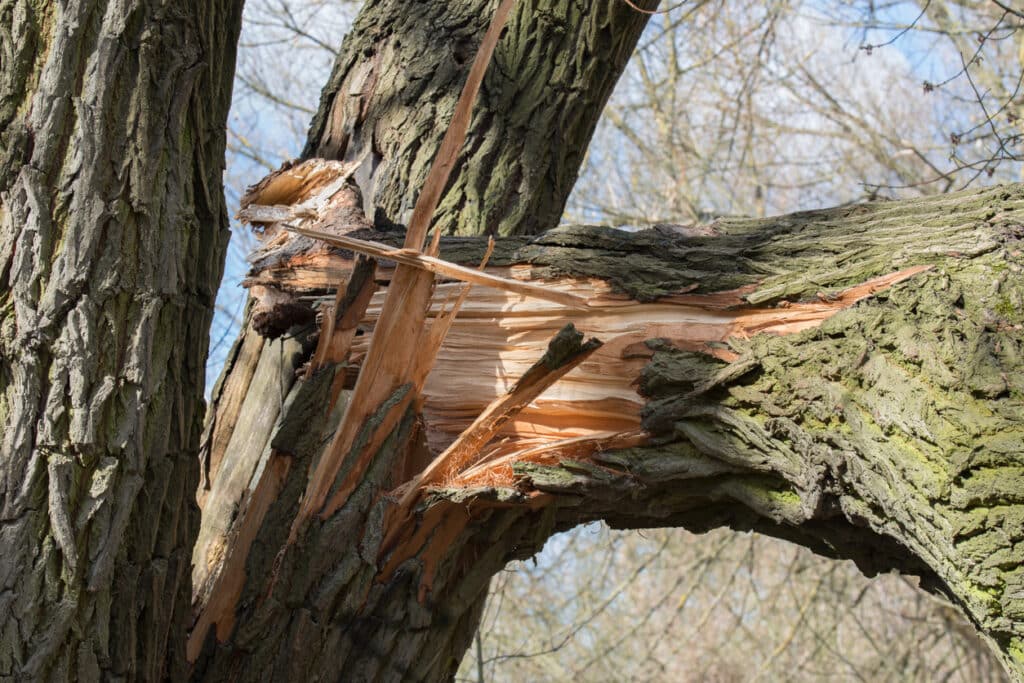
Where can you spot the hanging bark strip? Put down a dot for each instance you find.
(396, 361)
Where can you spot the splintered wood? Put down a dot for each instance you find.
(396, 367)
(475, 376)
(410, 257)
(499, 336)
(565, 352)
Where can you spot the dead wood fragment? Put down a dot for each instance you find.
(305, 187)
(321, 193)
(275, 312)
(435, 265)
(497, 472)
(228, 399)
(350, 302)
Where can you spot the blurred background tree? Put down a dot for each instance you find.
(750, 107)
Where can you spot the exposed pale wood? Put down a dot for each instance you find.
(229, 398)
(254, 425)
(556, 362)
(316, 191)
(498, 336)
(396, 368)
(296, 189)
(601, 395)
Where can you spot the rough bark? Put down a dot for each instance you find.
(112, 237)
(396, 81)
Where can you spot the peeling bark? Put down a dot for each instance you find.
(112, 237)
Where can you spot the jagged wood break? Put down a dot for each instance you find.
(849, 379)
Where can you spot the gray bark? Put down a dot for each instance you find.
(112, 237)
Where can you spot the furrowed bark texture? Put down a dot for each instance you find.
(880, 423)
(396, 81)
(112, 237)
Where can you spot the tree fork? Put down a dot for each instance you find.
(384, 111)
(714, 438)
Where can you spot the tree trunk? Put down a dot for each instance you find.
(846, 379)
(396, 81)
(112, 238)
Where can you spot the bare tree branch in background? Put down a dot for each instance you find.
(286, 52)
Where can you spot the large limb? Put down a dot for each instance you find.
(847, 379)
